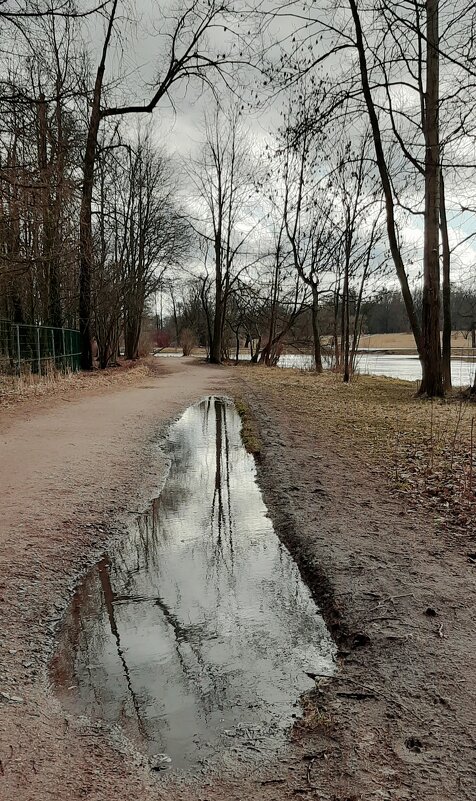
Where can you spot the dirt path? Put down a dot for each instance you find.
(396, 723)
(68, 468)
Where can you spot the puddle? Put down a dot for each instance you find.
(196, 632)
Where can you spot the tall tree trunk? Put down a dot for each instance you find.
(256, 352)
(131, 340)
(342, 327)
(50, 220)
(206, 309)
(216, 343)
(85, 230)
(133, 327)
(432, 379)
(226, 294)
(316, 334)
(55, 311)
(85, 215)
(176, 325)
(386, 184)
(266, 354)
(346, 319)
(446, 364)
(335, 332)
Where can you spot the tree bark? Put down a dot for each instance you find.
(346, 317)
(446, 363)
(386, 185)
(432, 379)
(132, 329)
(56, 313)
(316, 334)
(335, 332)
(85, 215)
(266, 352)
(85, 230)
(53, 308)
(216, 343)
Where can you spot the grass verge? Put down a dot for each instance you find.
(27, 387)
(249, 430)
(427, 448)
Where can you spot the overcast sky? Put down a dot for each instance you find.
(136, 55)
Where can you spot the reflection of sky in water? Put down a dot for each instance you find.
(390, 365)
(197, 634)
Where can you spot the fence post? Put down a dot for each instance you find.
(18, 349)
(64, 349)
(38, 347)
(53, 347)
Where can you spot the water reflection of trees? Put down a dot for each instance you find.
(134, 573)
(181, 560)
(108, 595)
(187, 485)
(221, 517)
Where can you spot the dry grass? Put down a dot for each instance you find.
(407, 341)
(313, 717)
(13, 388)
(28, 386)
(249, 432)
(427, 448)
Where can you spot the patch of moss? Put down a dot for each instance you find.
(249, 431)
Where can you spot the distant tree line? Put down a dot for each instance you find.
(246, 328)
(385, 313)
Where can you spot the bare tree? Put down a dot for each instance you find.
(187, 56)
(400, 50)
(138, 234)
(223, 187)
(308, 218)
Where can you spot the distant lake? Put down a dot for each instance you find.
(390, 365)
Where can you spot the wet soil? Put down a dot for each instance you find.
(397, 721)
(398, 592)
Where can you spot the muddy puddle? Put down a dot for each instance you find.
(195, 633)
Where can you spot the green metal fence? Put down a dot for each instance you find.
(37, 348)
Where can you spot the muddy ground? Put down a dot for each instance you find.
(398, 720)
(397, 588)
